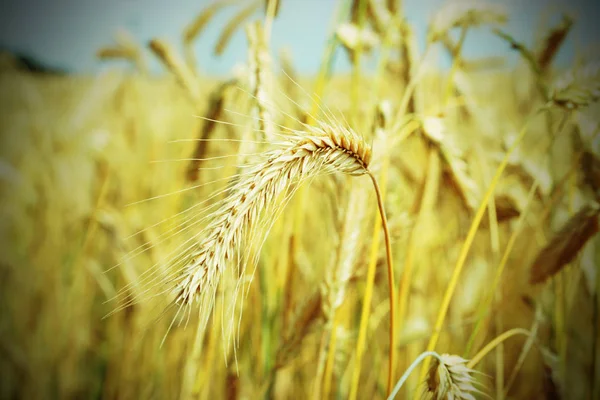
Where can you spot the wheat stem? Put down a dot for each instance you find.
(498, 340)
(391, 285)
(409, 371)
(328, 373)
(366, 308)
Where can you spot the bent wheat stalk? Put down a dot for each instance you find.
(237, 229)
(326, 148)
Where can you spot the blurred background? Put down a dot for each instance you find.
(65, 33)
(122, 123)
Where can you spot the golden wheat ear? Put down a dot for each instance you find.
(326, 148)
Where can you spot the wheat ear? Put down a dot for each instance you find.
(448, 378)
(324, 148)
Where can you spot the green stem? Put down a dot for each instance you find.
(491, 345)
(410, 369)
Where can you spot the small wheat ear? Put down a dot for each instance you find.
(448, 378)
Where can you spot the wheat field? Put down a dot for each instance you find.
(405, 231)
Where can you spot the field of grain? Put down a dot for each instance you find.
(185, 236)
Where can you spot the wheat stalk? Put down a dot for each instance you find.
(325, 148)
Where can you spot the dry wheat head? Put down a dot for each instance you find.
(325, 148)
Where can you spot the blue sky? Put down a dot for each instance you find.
(67, 33)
